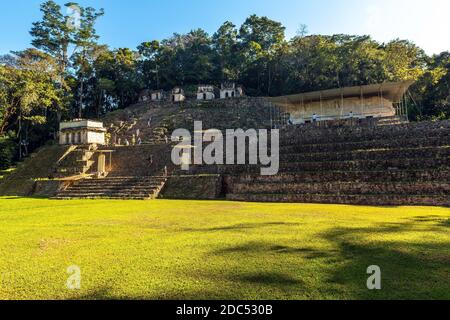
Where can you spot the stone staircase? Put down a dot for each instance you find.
(367, 162)
(246, 112)
(77, 160)
(127, 188)
(406, 164)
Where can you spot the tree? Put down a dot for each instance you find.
(150, 62)
(262, 41)
(125, 77)
(431, 92)
(404, 60)
(226, 46)
(27, 92)
(58, 34)
(85, 40)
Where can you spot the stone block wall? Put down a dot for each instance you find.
(207, 187)
(407, 164)
(135, 160)
(39, 166)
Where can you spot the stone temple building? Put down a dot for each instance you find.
(144, 96)
(151, 95)
(81, 132)
(230, 90)
(206, 92)
(177, 95)
(370, 101)
(157, 95)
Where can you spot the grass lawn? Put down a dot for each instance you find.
(220, 250)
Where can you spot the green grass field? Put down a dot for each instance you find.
(220, 250)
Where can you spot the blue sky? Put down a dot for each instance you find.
(128, 23)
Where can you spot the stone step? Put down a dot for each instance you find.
(120, 180)
(111, 190)
(380, 154)
(367, 165)
(119, 183)
(103, 194)
(342, 135)
(137, 178)
(366, 145)
(324, 166)
(69, 194)
(133, 182)
(359, 199)
(94, 198)
(114, 188)
(347, 176)
(339, 188)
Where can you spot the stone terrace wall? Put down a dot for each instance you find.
(39, 166)
(134, 160)
(406, 164)
(208, 187)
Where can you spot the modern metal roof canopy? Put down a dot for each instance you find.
(393, 91)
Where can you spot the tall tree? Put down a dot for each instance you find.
(262, 40)
(86, 47)
(226, 45)
(67, 38)
(27, 92)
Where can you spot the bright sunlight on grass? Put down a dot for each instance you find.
(221, 250)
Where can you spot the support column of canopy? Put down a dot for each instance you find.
(362, 101)
(321, 106)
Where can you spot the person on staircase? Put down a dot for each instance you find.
(150, 160)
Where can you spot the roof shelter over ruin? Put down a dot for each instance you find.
(369, 101)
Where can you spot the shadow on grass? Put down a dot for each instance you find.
(410, 269)
(243, 226)
(269, 279)
(439, 220)
(106, 294)
(268, 248)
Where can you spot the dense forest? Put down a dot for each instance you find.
(67, 73)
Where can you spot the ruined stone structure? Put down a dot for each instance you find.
(157, 95)
(371, 101)
(81, 132)
(230, 90)
(206, 92)
(145, 95)
(405, 164)
(371, 161)
(151, 95)
(177, 95)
